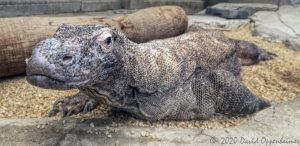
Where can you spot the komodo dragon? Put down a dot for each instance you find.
(192, 76)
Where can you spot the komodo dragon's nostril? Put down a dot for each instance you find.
(67, 60)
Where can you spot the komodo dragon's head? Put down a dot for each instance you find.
(75, 56)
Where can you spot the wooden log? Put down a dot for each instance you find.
(19, 35)
(154, 23)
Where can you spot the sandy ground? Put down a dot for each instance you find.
(277, 80)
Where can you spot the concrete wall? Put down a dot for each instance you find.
(100, 5)
(208, 3)
(190, 6)
(9, 8)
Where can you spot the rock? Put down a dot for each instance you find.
(230, 14)
(255, 1)
(276, 2)
(216, 22)
(92, 125)
(293, 43)
(290, 16)
(109, 135)
(238, 10)
(289, 2)
(279, 26)
(202, 12)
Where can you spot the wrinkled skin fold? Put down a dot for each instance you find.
(192, 76)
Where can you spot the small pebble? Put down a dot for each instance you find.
(90, 131)
(92, 125)
(114, 124)
(143, 133)
(117, 143)
(109, 136)
(152, 136)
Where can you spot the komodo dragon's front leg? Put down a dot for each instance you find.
(72, 105)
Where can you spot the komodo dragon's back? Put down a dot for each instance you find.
(161, 64)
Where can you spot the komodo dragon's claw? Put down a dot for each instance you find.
(267, 55)
(73, 105)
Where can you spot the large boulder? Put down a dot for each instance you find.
(282, 25)
(213, 22)
(255, 1)
(289, 2)
(238, 10)
(276, 2)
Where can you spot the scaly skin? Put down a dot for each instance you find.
(191, 76)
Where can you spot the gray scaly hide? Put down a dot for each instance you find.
(193, 76)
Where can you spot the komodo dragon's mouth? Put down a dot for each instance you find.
(48, 82)
(40, 73)
(45, 81)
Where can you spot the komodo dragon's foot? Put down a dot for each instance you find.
(265, 55)
(251, 54)
(73, 105)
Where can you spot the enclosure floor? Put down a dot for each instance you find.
(277, 80)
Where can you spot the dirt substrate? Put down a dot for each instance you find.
(277, 81)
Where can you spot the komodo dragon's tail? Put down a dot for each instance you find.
(254, 106)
